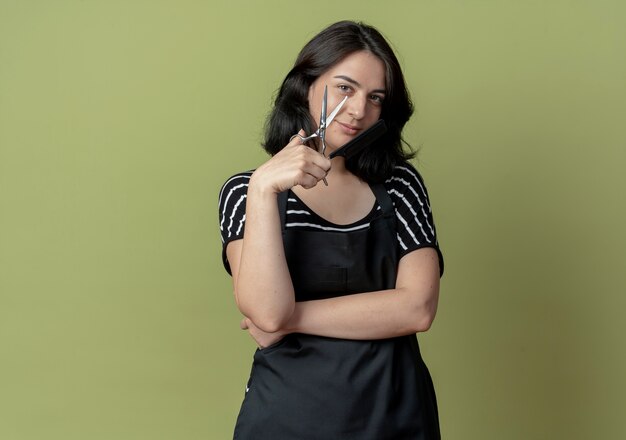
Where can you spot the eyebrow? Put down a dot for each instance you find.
(356, 83)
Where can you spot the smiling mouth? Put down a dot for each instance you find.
(351, 129)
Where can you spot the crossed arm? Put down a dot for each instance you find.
(262, 284)
(407, 309)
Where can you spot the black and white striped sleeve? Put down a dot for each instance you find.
(232, 210)
(415, 225)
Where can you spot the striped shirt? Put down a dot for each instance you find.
(415, 226)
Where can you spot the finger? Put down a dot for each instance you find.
(309, 157)
(323, 162)
(308, 175)
(308, 182)
(317, 172)
(318, 167)
(296, 139)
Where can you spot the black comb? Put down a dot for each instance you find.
(362, 141)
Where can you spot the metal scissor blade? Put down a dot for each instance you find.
(327, 122)
(334, 112)
(322, 125)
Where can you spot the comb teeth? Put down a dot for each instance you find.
(362, 141)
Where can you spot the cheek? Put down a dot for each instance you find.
(334, 137)
(376, 112)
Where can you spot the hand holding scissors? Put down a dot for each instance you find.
(324, 123)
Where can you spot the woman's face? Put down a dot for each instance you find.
(361, 77)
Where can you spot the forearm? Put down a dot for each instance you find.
(373, 315)
(263, 286)
(262, 283)
(407, 309)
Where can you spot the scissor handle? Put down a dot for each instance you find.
(302, 138)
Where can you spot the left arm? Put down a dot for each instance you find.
(408, 308)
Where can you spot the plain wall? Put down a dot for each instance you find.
(120, 120)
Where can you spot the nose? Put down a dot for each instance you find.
(356, 107)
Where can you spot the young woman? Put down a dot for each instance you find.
(334, 281)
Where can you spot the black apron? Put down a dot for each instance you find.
(318, 388)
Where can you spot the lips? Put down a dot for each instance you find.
(349, 129)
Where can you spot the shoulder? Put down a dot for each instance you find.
(232, 204)
(236, 185)
(406, 184)
(415, 225)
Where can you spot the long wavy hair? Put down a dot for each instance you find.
(291, 107)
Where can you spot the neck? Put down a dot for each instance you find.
(338, 165)
(340, 177)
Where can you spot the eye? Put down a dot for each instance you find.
(377, 99)
(344, 88)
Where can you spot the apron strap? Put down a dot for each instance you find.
(382, 196)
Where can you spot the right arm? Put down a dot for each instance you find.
(261, 281)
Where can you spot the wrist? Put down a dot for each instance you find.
(293, 324)
(259, 187)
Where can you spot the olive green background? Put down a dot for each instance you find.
(119, 121)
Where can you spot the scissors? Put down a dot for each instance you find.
(324, 122)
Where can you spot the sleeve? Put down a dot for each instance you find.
(232, 211)
(414, 217)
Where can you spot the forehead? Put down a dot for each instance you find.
(364, 67)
